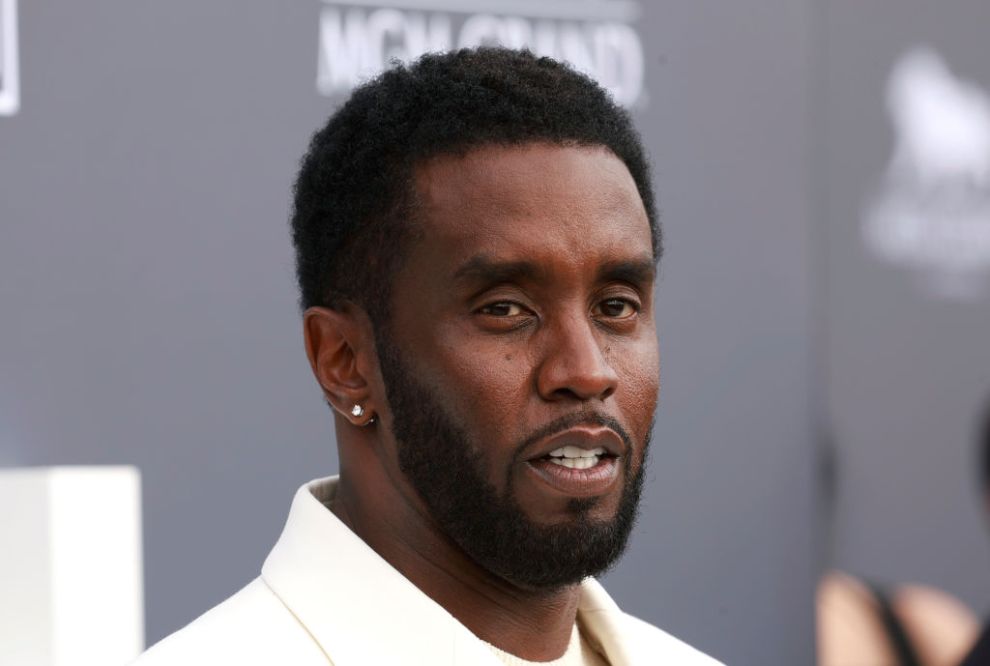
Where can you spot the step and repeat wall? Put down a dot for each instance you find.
(148, 309)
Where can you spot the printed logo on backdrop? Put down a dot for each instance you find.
(10, 99)
(931, 213)
(358, 38)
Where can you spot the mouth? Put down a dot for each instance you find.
(579, 462)
(574, 457)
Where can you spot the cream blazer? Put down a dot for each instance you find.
(325, 597)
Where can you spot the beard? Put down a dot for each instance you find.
(448, 471)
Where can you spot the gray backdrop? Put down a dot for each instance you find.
(148, 305)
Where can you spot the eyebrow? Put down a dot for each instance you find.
(635, 271)
(483, 268)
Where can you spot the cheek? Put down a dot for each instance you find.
(483, 383)
(639, 382)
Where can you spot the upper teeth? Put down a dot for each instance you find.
(576, 452)
(575, 457)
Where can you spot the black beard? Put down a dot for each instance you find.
(448, 472)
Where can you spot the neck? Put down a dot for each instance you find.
(533, 625)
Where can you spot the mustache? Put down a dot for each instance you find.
(572, 420)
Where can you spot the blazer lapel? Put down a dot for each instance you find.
(602, 624)
(352, 602)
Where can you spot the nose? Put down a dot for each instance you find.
(575, 366)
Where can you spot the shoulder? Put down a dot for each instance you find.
(940, 627)
(944, 628)
(849, 625)
(251, 627)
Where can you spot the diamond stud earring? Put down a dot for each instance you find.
(357, 411)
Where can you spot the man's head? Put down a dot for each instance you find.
(476, 249)
(354, 196)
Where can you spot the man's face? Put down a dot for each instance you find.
(521, 362)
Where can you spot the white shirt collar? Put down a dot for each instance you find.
(361, 610)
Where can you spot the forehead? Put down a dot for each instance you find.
(533, 201)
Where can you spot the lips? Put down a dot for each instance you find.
(578, 462)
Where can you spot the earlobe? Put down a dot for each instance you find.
(334, 339)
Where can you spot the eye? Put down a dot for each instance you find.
(503, 309)
(618, 308)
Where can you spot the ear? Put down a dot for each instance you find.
(334, 341)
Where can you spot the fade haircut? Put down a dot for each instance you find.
(354, 195)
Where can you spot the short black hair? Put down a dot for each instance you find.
(354, 190)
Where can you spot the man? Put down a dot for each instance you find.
(476, 246)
